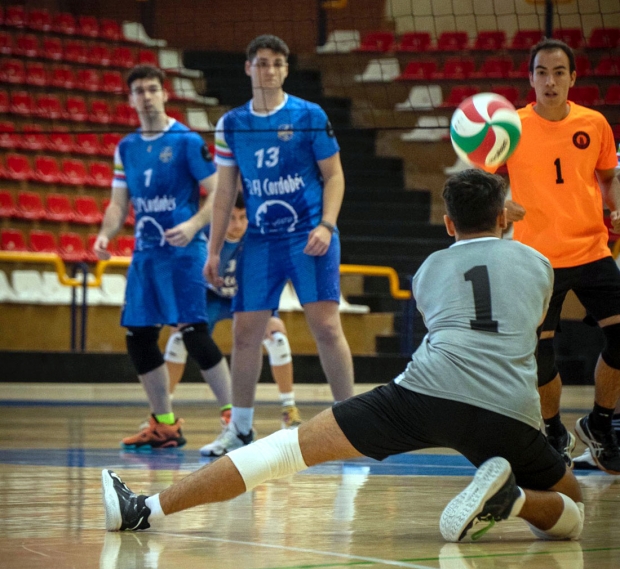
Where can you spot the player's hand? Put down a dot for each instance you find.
(180, 235)
(318, 241)
(100, 247)
(516, 212)
(614, 217)
(211, 270)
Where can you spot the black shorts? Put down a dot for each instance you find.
(391, 420)
(596, 285)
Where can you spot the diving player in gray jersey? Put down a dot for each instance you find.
(482, 301)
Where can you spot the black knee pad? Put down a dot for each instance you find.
(143, 349)
(545, 358)
(201, 346)
(611, 353)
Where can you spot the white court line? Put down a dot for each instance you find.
(298, 550)
(33, 551)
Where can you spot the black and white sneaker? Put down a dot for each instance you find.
(124, 510)
(585, 461)
(603, 445)
(565, 445)
(489, 498)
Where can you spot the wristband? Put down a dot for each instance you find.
(332, 228)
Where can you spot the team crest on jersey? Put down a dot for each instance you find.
(285, 132)
(166, 154)
(581, 140)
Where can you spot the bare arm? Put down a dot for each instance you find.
(113, 220)
(333, 194)
(610, 188)
(180, 235)
(223, 202)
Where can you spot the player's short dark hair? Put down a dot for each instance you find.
(549, 44)
(145, 72)
(240, 202)
(267, 41)
(473, 200)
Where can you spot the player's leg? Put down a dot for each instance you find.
(277, 345)
(175, 356)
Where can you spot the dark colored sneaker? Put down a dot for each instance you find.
(585, 461)
(124, 510)
(489, 498)
(156, 435)
(565, 445)
(603, 446)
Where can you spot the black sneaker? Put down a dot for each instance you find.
(565, 445)
(124, 510)
(489, 498)
(603, 446)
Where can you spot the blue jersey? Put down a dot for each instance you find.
(277, 155)
(228, 270)
(161, 174)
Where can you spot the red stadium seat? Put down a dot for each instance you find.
(112, 82)
(147, 57)
(525, 39)
(125, 115)
(176, 114)
(22, 103)
(377, 42)
(452, 41)
(4, 102)
(26, 45)
(587, 95)
(88, 26)
(86, 210)
(64, 23)
(509, 92)
(490, 40)
(42, 241)
(572, 36)
(88, 80)
(6, 43)
(414, 42)
(29, 206)
(87, 143)
(12, 240)
(456, 68)
(1, 15)
(99, 111)
(608, 66)
(58, 208)
(7, 206)
(99, 54)
(110, 30)
(12, 71)
(109, 142)
(39, 19)
(612, 96)
(125, 245)
(75, 109)
(418, 71)
(46, 170)
(522, 72)
(36, 74)
(15, 16)
(604, 38)
(63, 77)
(49, 107)
(122, 57)
(100, 175)
(8, 138)
(52, 49)
(494, 68)
(75, 51)
(33, 137)
(60, 140)
(71, 247)
(130, 221)
(458, 94)
(583, 65)
(73, 172)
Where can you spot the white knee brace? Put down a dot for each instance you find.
(176, 352)
(570, 524)
(278, 348)
(275, 456)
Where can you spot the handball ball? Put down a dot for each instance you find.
(485, 130)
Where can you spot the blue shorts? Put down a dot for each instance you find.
(265, 265)
(165, 288)
(218, 308)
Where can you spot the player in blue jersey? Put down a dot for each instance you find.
(219, 307)
(161, 168)
(293, 185)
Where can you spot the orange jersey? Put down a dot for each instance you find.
(552, 175)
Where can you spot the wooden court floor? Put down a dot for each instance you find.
(352, 514)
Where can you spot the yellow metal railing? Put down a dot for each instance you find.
(376, 271)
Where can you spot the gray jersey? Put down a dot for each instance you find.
(481, 301)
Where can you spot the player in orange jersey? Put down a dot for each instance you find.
(561, 174)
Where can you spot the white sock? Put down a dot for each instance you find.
(241, 418)
(518, 505)
(287, 399)
(152, 503)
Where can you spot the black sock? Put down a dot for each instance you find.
(600, 418)
(554, 427)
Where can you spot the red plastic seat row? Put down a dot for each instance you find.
(58, 207)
